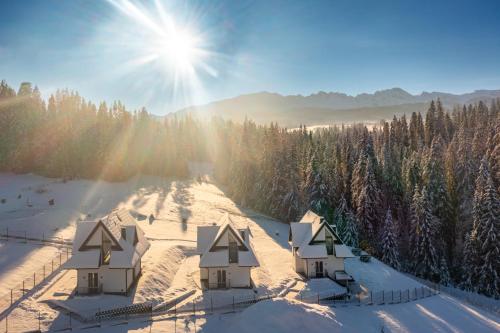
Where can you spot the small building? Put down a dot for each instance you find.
(317, 249)
(226, 255)
(107, 254)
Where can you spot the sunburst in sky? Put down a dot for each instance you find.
(168, 54)
(160, 52)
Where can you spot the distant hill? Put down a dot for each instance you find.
(328, 108)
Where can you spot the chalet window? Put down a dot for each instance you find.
(242, 234)
(105, 250)
(233, 249)
(329, 244)
(124, 233)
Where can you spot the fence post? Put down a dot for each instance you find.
(11, 298)
(34, 279)
(23, 287)
(60, 258)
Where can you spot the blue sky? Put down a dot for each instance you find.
(289, 47)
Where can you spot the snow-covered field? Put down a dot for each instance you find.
(170, 266)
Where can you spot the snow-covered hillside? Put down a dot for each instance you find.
(170, 266)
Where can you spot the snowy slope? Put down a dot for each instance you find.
(170, 265)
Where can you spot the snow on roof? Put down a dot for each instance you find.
(247, 259)
(133, 246)
(127, 258)
(307, 251)
(310, 217)
(205, 237)
(304, 232)
(208, 236)
(215, 259)
(343, 251)
(342, 276)
(83, 230)
(84, 259)
(300, 231)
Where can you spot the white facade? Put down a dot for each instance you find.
(316, 248)
(111, 280)
(226, 255)
(236, 276)
(107, 254)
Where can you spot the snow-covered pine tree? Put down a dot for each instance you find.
(425, 255)
(444, 273)
(358, 175)
(350, 237)
(434, 178)
(487, 228)
(368, 206)
(316, 189)
(390, 253)
(340, 216)
(469, 264)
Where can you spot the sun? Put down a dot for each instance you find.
(178, 49)
(162, 48)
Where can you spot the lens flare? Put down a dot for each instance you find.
(161, 52)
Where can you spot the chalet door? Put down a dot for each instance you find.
(221, 278)
(93, 283)
(319, 269)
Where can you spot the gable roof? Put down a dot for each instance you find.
(125, 252)
(218, 256)
(304, 233)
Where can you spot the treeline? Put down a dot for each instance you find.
(422, 194)
(70, 137)
(419, 193)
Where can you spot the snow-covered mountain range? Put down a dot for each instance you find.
(324, 108)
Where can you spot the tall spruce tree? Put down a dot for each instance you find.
(425, 254)
(368, 207)
(390, 253)
(487, 230)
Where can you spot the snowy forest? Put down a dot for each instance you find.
(420, 193)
